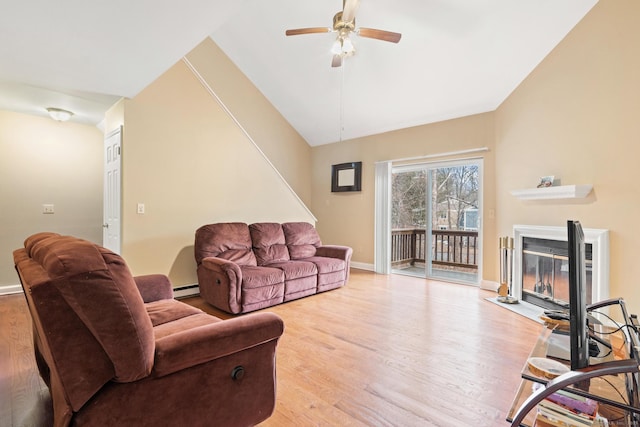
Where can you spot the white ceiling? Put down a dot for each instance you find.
(456, 57)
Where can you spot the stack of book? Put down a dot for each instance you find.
(565, 409)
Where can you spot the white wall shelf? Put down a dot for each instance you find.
(558, 192)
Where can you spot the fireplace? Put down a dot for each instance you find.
(540, 265)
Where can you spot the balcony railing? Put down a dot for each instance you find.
(449, 248)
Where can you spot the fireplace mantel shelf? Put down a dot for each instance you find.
(557, 192)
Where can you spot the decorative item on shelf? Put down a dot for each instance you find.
(546, 181)
(546, 368)
(346, 177)
(506, 263)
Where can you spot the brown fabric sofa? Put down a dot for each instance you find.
(242, 268)
(120, 351)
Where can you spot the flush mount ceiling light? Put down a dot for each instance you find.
(58, 114)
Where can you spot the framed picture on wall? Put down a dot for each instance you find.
(346, 177)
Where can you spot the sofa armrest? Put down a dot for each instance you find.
(341, 252)
(223, 266)
(221, 283)
(154, 287)
(205, 343)
(334, 251)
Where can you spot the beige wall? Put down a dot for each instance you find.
(44, 161)
(282, 145)
(577, 116)
(190, 164)
(348, 218)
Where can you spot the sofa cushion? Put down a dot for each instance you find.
(185, 323)
(268, 242)
(170, 316)
(169, 310)
(257, 277)
(301, 238)
(226, 240)
(327, 265)
(296, 269)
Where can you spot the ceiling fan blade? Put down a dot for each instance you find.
(350, 7)
(313, 30)
(336, 61)
(386, 36)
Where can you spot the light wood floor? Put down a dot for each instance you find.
(382, 351)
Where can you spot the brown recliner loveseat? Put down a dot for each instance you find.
(242, 268)
(120, 351)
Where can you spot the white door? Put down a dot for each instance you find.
(112, 190)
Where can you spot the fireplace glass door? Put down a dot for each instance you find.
(545, 273)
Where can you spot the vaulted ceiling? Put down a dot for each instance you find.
(455, 58)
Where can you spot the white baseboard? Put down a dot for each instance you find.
(185, 291)
(10, 289)
(362, 266)
(489, 285)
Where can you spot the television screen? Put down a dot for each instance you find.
(579, 334)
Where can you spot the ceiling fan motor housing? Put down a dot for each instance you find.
(340, 25)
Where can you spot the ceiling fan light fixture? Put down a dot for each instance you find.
(343, 46)
(347, 46)
(58, 114)
(336, 49)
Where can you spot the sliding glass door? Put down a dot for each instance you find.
(435, 220)
(409, 213)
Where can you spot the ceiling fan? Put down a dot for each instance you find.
(344, 23)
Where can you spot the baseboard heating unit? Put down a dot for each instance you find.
(185, 291)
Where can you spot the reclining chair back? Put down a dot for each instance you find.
(80, 293)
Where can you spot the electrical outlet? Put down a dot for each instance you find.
(47, 209)
(140, 208)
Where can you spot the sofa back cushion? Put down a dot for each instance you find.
(268, 242)
(301, 239)
(97, 285)
(227, 240)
